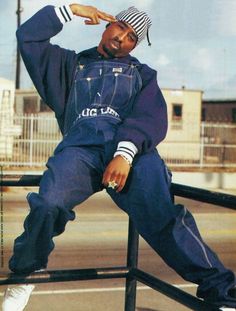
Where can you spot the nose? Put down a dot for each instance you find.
(121, 36)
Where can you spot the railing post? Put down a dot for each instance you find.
(31, 139)
(202, 144)
(132, 262)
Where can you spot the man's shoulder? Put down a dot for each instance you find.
(147, 69)
(144, 67)
(147, 73)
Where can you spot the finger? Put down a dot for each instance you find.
(106, 178)
(90, 22)
(106, 17)
(96, 19)
(118, 180)
(121, 183)
(114, 177)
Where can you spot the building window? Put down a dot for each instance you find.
(203, 114)
(30, 104)
(234, 115)
(177, 112)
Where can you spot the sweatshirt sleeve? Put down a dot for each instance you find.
(50, 67)
(146, 126)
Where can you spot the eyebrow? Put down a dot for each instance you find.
(126, 26)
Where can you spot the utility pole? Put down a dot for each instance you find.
(18, 13)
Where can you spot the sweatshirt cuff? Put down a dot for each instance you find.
(126, 149)
(64, 13)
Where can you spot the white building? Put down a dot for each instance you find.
(7, 128)
(184, 118)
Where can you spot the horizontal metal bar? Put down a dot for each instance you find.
(172, 292)
(216, 198)
(182, 297)
(49, 276)
(171, 164)
(20, 180)
(220, 145)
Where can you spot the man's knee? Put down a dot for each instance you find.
(44, 204)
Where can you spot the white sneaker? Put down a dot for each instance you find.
(227, 309)
(16, 298)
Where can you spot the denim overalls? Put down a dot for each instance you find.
(101, 97)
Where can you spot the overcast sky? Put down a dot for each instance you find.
(193, 41)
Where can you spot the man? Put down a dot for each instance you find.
(112, 115)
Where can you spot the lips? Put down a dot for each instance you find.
(115, 44)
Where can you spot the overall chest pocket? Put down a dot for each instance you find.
(102, 87)
(117, 90)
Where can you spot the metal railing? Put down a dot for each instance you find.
(130, 272)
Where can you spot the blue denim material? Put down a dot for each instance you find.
(75, 172)
(102, 89)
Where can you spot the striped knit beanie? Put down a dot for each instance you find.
(138, 20)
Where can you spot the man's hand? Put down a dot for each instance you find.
(117, 171)
(92, 14)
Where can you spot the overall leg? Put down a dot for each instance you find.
(171, 230)
(67, 182)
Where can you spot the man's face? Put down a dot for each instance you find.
(118, 40)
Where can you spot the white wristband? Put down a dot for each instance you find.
(127, 150)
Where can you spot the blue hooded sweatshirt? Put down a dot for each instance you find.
(52, 70)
